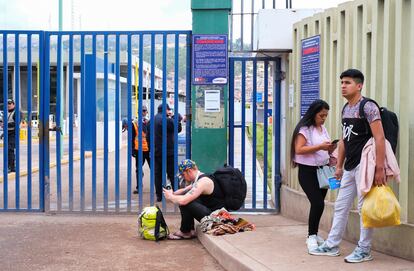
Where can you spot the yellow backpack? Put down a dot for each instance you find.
(151, 224)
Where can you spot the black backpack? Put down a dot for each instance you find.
(389, 122)
(233, 185)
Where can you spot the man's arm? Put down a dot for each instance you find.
(182, 191)
(340, 160)
(202, 186)
(378, 134)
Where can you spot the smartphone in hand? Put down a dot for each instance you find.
(335, 141)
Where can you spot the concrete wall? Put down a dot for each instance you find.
(377, 37)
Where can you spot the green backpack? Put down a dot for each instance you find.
(151, 224)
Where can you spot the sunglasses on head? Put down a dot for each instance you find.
(9, 102)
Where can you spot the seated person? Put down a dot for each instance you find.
(197, 200)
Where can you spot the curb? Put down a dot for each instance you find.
(228, 256)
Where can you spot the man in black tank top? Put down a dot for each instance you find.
(356, 132)
(199, 199)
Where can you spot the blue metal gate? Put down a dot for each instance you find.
(254, 128)
(87, 83)
(21, 55)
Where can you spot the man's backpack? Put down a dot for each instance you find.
(233, 185)
(151, 224)
(389, 122)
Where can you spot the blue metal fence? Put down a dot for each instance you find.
(77, 158)
(247, 114)
(87, 79)
(21, 191)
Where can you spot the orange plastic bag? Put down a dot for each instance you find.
(380, 208)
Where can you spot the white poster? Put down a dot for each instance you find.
(212, 100)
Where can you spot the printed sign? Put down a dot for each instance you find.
(310, 72)
(212, 100)
(210, 61)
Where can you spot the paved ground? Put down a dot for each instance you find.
(279, 244)
(42, 242)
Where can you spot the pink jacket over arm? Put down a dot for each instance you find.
(367, 165)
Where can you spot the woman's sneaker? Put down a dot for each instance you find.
(312, 242)
(324, 250)
(359, 255)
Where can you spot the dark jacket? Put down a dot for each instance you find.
(158, 134)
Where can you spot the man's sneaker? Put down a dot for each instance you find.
(359, 255)
(324, 250)
(312, 242)
(319, 240)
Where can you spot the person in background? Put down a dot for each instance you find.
(158, 142)
(135, 142)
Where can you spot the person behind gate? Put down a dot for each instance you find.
(11, 135)
(197, 200)
(135, 142)
(356, 132)
(311, 147)
(158, 142)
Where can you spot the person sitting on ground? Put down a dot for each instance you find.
(197, 200)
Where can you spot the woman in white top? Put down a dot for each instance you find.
(311, 147)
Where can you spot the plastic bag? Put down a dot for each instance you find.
(380, 208)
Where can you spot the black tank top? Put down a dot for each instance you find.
(215, 200)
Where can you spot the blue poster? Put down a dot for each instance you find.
(310, 72)
(210, 62)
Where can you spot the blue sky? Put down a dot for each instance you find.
(113, 14)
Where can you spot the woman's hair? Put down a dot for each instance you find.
(307, 120)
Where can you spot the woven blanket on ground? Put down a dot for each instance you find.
(221, 222)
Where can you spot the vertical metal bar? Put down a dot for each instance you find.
(251, 26)
(188, 101)
(176, 111)
(263, 4)
(17, 115)
(274, 4)
(265, 128)
(44, 138)
(106, 192)
(94, 130)
(43, 43)
(254, 133)
(140, 97)
(290, 3)
(243, 124)
(231, 114)
(70, 67)
(117, 92)
(5, 122)
(58, 124)
(287, 3)
(276, 133)
(152, 145)
(82, 126)
(130, 127)
(231, 31)
(241, 25)
(29, 121)
(164, 117)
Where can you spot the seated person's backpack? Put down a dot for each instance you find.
(151, 224)
(233, 185)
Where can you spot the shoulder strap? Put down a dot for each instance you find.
(343, 108)
(362, 104)
(160, 222)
